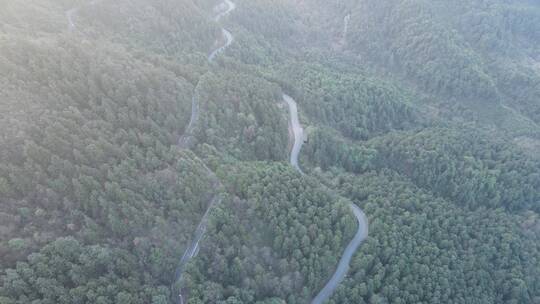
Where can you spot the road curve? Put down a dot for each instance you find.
(230, 7)
(183, 141)
(228, 40)
(193, 248)
(361, 234)
(343, 266)
(225, 33)
(346, 20)
(298, 131)
(70, 14)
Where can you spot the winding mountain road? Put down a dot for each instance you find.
(361, 234)
(344, 262)
(70, 15)
(230, 7)
(346, 20)
(183, 141)
(299, 138)
(228, 40)
(193, 249)
(298, 131)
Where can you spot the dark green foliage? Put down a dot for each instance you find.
(88, 139)
(66, 272)
(274, 21)
(415, 43)
(97, 202)
(158, 26)
(464, 165)
(88, 151)
(279, 238)
(475, 52)
(357, 106)
(242, 117)
(326, 149)
(422, 249)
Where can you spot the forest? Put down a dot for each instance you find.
(424, 114)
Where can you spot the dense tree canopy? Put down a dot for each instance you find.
(278, 238)
(424, 250)
(423, 113)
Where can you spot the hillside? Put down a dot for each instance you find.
(269, 151)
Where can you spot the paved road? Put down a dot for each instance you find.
(346, 20)
(228, 40)
(230, 7)
(70, 15)
(228, 36)
(361, 234)
(343, 266)
(298, 132)
(193, 248)
(183, 141)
